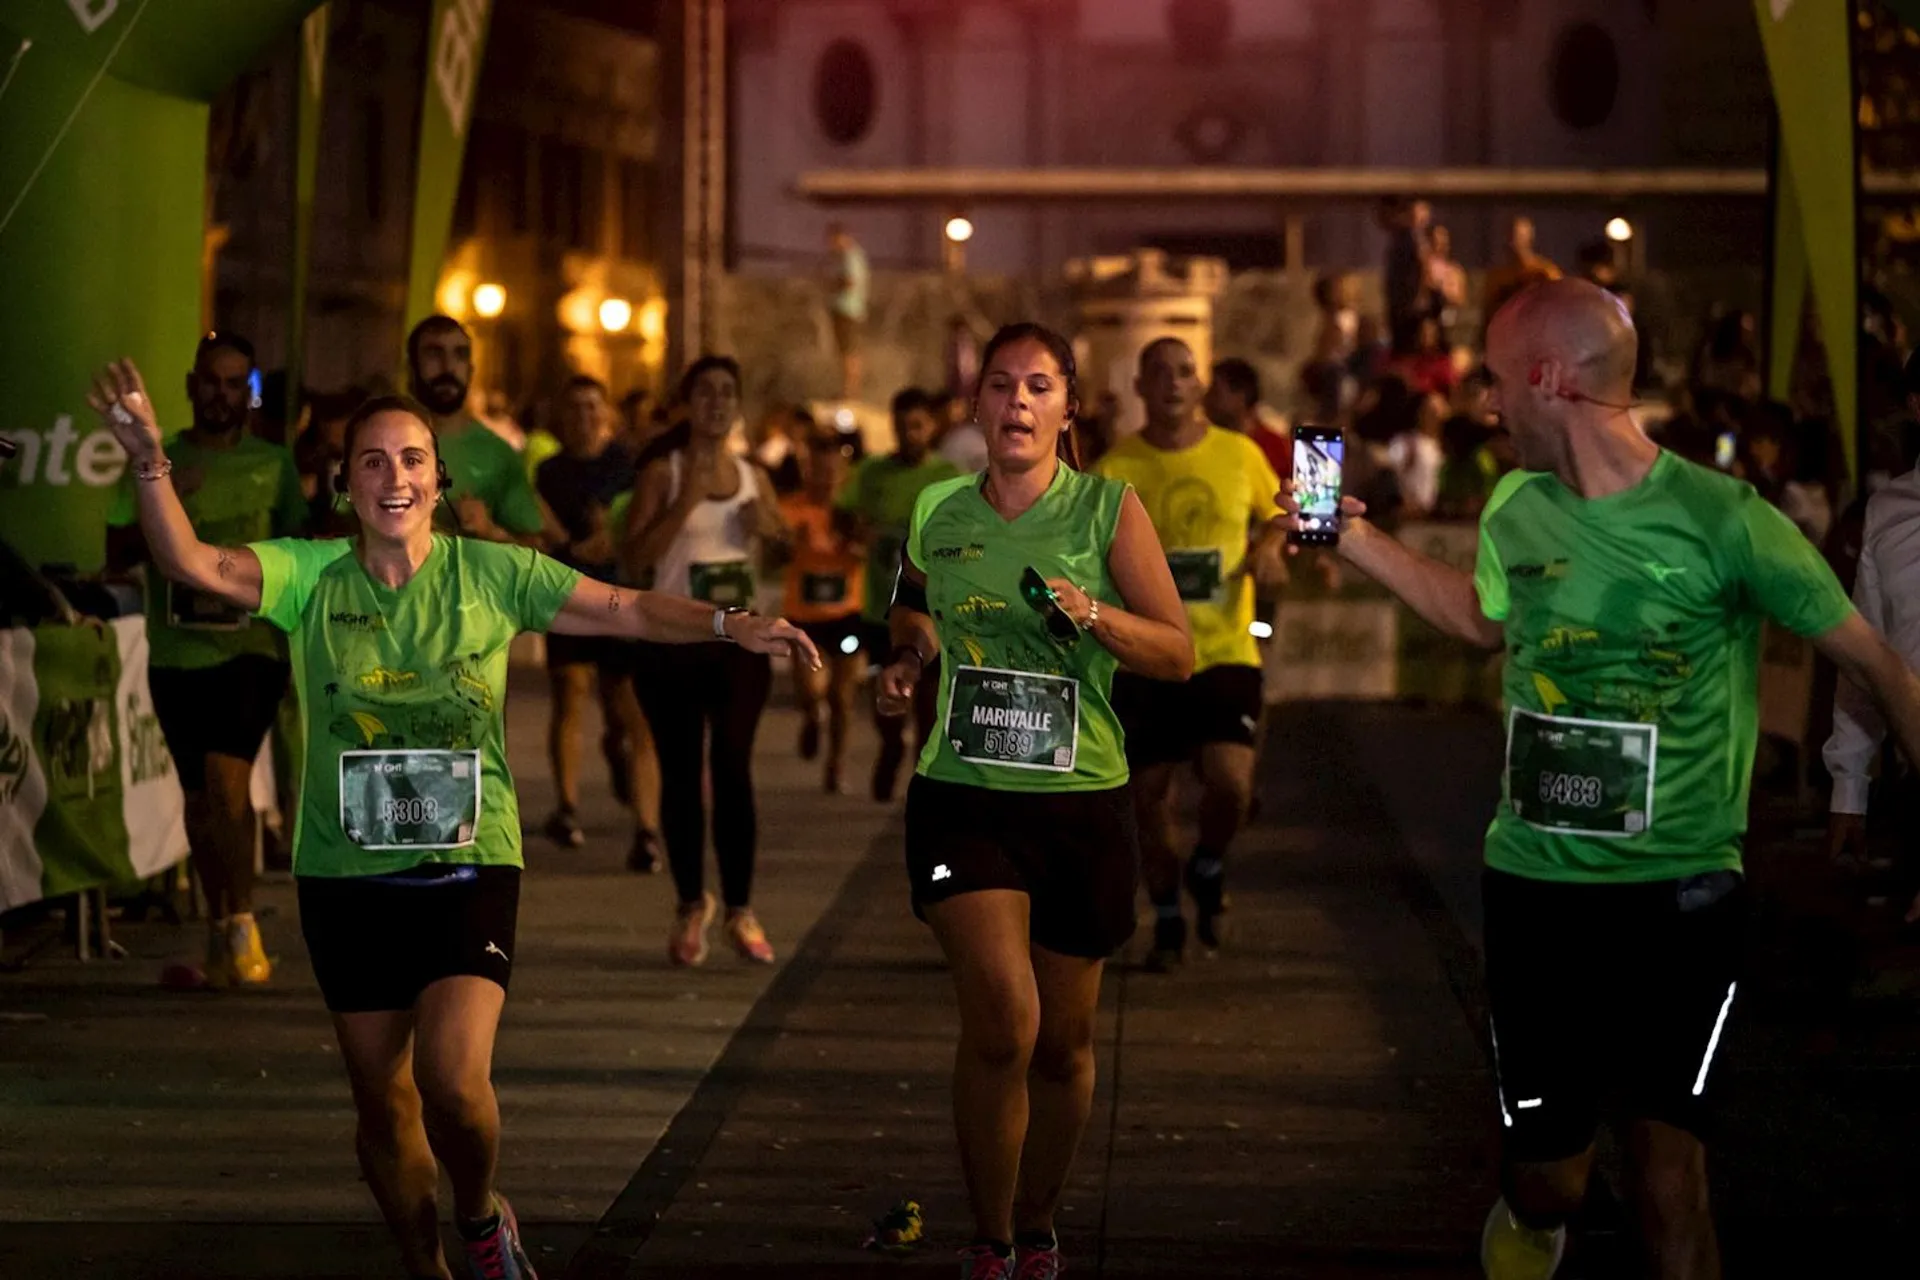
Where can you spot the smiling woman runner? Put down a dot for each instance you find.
(1032, 583)
(408, 832)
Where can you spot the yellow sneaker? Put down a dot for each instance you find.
(248, 955)
(1511, 1250)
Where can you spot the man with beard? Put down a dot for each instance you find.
(1210, 493)
(1627, 589)
(492, 497)
(216, 676)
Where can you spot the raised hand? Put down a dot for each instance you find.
(120, 397)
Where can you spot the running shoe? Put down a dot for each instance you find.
(499, 1255)
(981, 1262)
(644, 855)
(748, 938)
(1169, 944)
(1040, 1263)
(564, 830)
(1206, 885)
(1511, 1250)
(809, 739)
(687, 944)
(899, 1232)
(247, 963)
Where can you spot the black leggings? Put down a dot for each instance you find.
(687, 691)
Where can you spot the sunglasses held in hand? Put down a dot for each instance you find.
(1045, 601)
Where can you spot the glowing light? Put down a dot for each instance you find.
(1619, 230)
(653, 319)
(844, 420)
(615, 314)
(489, 300)
(1260, 630)
(850, 645)
(959, 229)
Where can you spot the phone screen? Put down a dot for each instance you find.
(1318, 453)
(255, 385)
(1723, 449)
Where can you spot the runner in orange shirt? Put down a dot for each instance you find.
(825, 588)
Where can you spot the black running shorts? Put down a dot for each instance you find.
(1168, 723)
(224, 710)
(1607, 998)
(1075, 854)
(376, 944)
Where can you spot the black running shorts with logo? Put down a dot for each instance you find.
(1168, 722)
(1608, 1000)
(377, 943)
(224, 710)
(1075, 854)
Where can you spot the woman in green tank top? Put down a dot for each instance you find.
(1032, 583)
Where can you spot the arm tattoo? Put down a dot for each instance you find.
(613, 600)
(226, 562)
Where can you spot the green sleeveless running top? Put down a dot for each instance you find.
(1019, 710)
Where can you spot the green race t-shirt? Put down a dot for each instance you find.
(1019, 711)
(1633, 649)
(882, 493)
(403, 692)
(233, 496)
(483, 466)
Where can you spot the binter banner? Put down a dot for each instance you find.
(103, 140)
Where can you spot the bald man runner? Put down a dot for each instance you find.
(1628, 588)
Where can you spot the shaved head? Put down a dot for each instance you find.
(1560, 353)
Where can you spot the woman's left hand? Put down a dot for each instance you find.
(1077, 603)
(773, 635)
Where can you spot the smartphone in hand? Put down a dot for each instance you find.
(1318, 456)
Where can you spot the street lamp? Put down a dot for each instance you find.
(489, 300)
(615, 314)
(953, 243)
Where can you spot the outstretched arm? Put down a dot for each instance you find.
(1439, 593)
(601, 609)
(231, 573)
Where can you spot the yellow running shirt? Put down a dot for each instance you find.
(1203, 501)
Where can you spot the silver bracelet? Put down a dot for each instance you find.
(1093, 612)
(153, 470)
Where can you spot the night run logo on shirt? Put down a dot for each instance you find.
(966, 554)
(357, 621)
(1552, 569)
(1661, 572)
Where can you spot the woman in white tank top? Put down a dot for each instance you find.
(698, 518)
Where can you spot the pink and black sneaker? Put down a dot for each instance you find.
(499, 1255)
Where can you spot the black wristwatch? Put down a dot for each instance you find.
(720, 617)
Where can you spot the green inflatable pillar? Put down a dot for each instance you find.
(103, 142)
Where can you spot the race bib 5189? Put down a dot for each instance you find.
(1014, 718)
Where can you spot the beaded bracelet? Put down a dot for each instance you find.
(154, 470)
